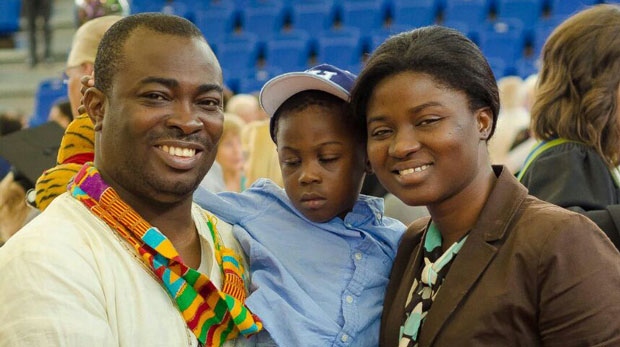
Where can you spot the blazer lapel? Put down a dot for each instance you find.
(476, 254)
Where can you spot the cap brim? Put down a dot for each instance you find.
(33, 150)
(277, 90)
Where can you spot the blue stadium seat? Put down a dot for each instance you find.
(9, 16)
(238, 54)
(312, 16)
(566, 8)
(49, 91)
(469, 12)
(289, 50)
(139, 6)
(263, 18)
(527, 66)
(341, 47)
(542, 30)
(216, 22)
(498, 66)
(179, 8)
(414, 13)
(503, 40)
(366, 15)
(529, 12)
(253, 82)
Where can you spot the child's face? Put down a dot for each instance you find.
(322, 163)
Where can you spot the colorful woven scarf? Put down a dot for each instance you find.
(213, 316)
(427, 284)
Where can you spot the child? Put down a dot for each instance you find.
(320, 253)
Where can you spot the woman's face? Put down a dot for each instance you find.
(230, 153)
(424, 143)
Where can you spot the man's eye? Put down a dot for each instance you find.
(155, 96)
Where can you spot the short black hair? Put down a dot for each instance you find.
(110, 51)
(444, 54)
(307, 98)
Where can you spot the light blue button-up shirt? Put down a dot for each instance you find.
(313, 284)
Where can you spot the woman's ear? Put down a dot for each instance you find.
(484, 118)
(369, 170)
(95, 103)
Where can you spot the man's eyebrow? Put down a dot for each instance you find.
(168, 82)
(210, 87)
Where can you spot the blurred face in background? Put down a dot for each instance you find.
(230, 153)
(73, 75)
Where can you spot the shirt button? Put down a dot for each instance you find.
(349, 299)
(358, 256)
(344, 338)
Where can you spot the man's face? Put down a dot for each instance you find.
(162, 119)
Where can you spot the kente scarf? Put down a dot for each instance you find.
(214, 316)
(427, 284)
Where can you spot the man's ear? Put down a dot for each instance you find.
(95, 103)
(484, 118)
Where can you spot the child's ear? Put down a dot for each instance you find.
(95, 104)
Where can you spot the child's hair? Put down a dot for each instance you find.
(323, 85)
(307, 98)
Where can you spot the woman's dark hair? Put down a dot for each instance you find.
(446, 55)
(577, 92)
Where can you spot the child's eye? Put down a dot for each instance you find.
(290, 162)
(328, 159)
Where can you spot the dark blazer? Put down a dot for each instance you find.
(529, 274)
(575, 176)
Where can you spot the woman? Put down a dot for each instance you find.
(513, 270)
(230, 155)
(577, 117)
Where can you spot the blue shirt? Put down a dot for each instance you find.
(313, 284)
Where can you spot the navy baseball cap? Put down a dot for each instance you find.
(324, 77)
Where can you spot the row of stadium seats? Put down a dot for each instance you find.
(258, 39)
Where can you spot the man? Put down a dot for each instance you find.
(112, 262)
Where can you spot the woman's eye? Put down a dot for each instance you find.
(380, 132)
(428, 121)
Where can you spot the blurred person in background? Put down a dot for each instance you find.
(77, 145)
(576, 118)
(230, 154)
(513, 118)
(38, 11)
(61, 113)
